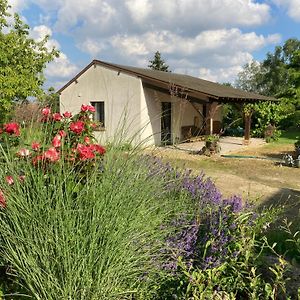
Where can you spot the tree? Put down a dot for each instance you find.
(277, 75)
(22, 61)
(158, 63)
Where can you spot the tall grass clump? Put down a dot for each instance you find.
(75, 225)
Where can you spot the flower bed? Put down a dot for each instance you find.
(80, 222)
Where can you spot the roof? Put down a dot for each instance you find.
(197, 86)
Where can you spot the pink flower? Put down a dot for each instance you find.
(36, 159)
(56, 142)
(57, 117)
(85, 107)
(22, 178)
(51, 154)
(98, 148)
(12, 128)
(23, 152)
(77, 127)
(35, 146)
(67, 114)
(62, 133)
(46, 111)
(9, 180)
(2, 200)
(87, 140)
(85, 152)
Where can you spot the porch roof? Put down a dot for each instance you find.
(195, 87)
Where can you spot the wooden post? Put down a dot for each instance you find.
(247, 135)
(208, 119)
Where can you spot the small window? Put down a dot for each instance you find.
(99, 113)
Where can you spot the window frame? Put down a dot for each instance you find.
(101, 114)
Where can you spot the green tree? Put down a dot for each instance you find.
(158, 63)
(22, 61)
(277, 75)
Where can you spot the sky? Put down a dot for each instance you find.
(210, 39)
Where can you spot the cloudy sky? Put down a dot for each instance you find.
(211, 39)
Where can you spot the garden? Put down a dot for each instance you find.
(82, 221)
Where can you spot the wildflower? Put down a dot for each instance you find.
(67, 114)
(2, 200)
(46, 111)
(12, 128)
(77, 127)
(51, 154)
(23, 152)
(57, 117)
(35, 146)
(56, 142)
(9, 179)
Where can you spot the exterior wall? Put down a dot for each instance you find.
(121, 95)
(183, 114)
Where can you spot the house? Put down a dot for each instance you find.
(148, 105)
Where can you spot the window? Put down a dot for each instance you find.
(99, 115)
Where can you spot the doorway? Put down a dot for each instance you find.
(166, 121)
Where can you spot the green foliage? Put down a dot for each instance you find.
(265, 113)
(278, 76)
(22, 61)
(157, 63)
(240, 273)
(49, 99)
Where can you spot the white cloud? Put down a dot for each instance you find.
(40, 32)
(61, 67)
(292, 7)
(198, 37)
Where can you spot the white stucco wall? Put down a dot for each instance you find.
(121, 94)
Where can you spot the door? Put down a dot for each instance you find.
(166, 120)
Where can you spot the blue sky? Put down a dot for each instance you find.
(208, 39)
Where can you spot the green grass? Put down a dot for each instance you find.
(288, 137)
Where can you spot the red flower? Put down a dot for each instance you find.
(36, 159)
(67, 114)
(23, 152)
(35, 146)
(9, 180)
(77, 127)
(98, 148)
(57, 117)
(56, 141)
(2, 200)
(12, 128)
(62, 133)
(51, 154)
(85, 107)
(85, 152)
(46, 111)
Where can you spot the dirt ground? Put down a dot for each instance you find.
(259, 180)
